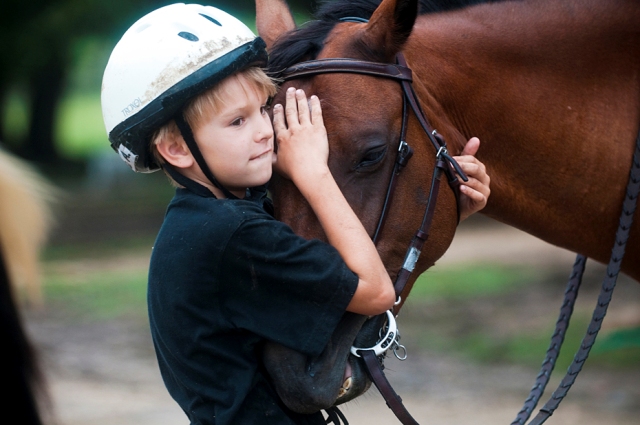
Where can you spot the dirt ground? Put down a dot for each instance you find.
(105, 373)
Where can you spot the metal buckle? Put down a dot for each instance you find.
(388, 341)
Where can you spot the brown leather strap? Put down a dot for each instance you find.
(422, 234)
(344, 65)
(374, 367)
(403, 156)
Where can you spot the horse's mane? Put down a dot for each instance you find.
(306, 42)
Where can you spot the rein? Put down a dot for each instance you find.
(374, 356)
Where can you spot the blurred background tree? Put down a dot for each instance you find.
(52, 55)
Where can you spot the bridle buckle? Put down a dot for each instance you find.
(389, 340)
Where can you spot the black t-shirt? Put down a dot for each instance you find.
(224, 277)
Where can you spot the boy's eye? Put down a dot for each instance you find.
(264, 109)
(237, 121)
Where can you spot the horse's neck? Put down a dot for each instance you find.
(527, 56)
(552, 90)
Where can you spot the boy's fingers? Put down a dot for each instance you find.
(278, 119)
(473, 194)
(291, 107)
(479, 187)
(473, 184)
(471, 148)
(316, 111)
(303, 106)
(472, 167)
(476, 195)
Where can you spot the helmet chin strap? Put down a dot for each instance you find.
(187, 135)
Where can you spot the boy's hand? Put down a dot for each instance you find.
(303, 148)
(476, 191)
(303, 151)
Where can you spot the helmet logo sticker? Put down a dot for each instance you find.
(132, 107)
(128, 156)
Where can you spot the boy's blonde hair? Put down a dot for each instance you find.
(210, 102)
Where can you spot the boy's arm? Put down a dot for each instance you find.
(303, 151)
(476, 191)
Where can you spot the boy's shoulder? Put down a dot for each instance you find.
(187, 196)
(210, 209)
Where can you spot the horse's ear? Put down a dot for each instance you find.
(389, 28)
(273, 18)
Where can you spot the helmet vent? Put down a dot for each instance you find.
(211, 19)
(188, 36)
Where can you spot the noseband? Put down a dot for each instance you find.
(444, 164)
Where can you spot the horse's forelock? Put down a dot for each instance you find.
(301, 44)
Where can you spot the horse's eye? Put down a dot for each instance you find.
(371, 158)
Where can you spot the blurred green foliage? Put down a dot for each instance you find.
(468, 281)
(621, 340)
(80, 130)
(101, 294)
(458, 326)
(52, 55)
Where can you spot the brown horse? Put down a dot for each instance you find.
(551, 88)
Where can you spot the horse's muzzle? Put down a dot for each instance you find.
(307, 385)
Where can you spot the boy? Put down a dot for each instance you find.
(224, 275)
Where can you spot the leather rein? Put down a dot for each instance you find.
(445, 164)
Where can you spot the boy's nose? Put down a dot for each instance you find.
(265, 132)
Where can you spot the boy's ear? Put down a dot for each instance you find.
(174, 150)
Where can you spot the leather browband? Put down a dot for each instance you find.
(354, 66)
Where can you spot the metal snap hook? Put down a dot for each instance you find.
(400, 348)
(388, 341)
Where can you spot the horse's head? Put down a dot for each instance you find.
(363, 115)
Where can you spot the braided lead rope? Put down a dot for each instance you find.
(570, 296)
(608, 285)
(335, 416)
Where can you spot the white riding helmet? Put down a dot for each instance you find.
(166, 58)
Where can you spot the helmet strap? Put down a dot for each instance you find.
(187, 135)
(186, 182)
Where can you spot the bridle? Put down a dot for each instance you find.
(445, 164)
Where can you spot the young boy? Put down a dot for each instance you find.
(225, 275)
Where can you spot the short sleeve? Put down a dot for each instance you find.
(283, 287)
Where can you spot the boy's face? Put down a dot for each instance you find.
(237, 141)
